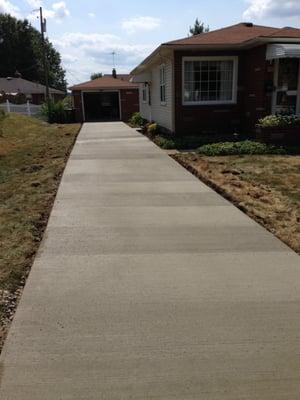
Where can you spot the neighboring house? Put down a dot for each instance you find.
(32, 91)
(109, 98)
(223, 80)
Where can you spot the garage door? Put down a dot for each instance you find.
(101, 106)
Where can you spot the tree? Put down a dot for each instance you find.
(96, 75)
(198, 28)
(21, 50)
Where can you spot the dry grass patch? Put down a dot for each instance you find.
(267, 188)
(33, 155)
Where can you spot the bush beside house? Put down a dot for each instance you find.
(283, 129)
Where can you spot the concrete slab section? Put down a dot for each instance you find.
(68, 215)
(148, 285)
(143, 199)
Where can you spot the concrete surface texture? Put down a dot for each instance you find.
(148, 285)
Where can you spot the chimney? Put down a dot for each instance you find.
(114, 73)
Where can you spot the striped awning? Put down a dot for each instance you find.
(283, 50)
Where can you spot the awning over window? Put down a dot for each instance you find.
(283, 50)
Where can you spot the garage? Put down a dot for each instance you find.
(109, 98)
(101, 106)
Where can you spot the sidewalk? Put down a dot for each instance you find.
(149, 285)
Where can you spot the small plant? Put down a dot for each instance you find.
(164, 143)
(3, 115)
(55, 112)
(280, 121)
(238, 148)
(137, 120)
(152, 129)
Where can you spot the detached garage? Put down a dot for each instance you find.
(109, 98)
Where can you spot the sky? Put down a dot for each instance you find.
(86, 32)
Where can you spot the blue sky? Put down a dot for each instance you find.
(86, 32)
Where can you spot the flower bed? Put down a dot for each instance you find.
(281, 129)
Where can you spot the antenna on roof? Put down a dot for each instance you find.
(113, 56)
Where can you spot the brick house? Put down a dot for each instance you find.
(32, 91)
(109, 98)
(223, 80)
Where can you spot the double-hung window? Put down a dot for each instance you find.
(162, 83)
(209, 80)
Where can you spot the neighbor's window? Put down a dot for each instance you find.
(162, 82)
(209, 80)
(144, 93)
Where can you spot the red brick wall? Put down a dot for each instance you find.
(129, 103)
(252, 100)
(129, 99)
(258, 75)
(78, 106)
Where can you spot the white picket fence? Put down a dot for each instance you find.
(25, 109)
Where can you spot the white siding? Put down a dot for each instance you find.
(160, 113)
(144, 107)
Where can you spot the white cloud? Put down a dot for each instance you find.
(272, 8)
(91, 15)
(6, 7)
(134, 24)
(84, 53)
(34, 3)
(58, 11)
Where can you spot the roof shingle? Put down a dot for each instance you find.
(105, 82)
(236, 34)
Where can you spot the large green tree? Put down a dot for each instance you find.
(198, 28)
(21, 50)
(96, 75)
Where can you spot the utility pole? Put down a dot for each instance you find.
(45, 61)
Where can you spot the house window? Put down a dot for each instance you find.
(162, 82)
(209, 80)
(144, 93)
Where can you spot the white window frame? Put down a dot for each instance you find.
(145, 90)
(235, 60)
(162, 84)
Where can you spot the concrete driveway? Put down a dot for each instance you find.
(149, 285)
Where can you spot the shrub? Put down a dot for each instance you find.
(152, 129)
(3, 115)
(137, 120)
(280, 121)
(55, 112)
(164, 143)
(237, 148)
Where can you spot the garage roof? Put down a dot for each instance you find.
(105, 82)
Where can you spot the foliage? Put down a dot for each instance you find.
(198, 28)
(96, 75)
(2, 115)
(21, 50)
(137, 120)
(152, 128)
(68, 102)
(236, 148)
(164, 143)
(55, 112)
(280, 121)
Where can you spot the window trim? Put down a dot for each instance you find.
(162, 67)
(145, 88)
(235, 60)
